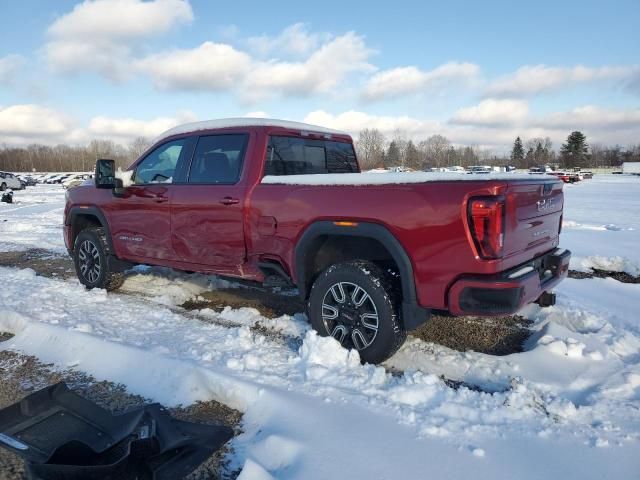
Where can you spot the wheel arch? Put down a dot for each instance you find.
(80, 218)
(319, 232)
(315, 236)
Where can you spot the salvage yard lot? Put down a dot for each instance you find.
(563, 404)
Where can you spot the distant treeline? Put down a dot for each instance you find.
(64, 158)
(376, 151)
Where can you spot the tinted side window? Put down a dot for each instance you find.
(298, 156)
(218, 159)
(160, 165)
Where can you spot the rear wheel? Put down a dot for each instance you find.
(356, 303)
(90, 257)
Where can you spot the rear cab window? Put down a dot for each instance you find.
(301, 156)
(218, 159)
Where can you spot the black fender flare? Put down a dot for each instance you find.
(93, 211)
(413, 315)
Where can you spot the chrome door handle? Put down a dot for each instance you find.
(229, 201)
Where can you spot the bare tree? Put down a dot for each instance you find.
(435, 151)
(138, 146)
(370, 147)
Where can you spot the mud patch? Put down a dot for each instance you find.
(622, 277)
(21, 375)
(43, 262)
(4, 336)
(491, 335)
(270, 303)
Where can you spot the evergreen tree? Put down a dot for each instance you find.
(575, 152)
(530, 158)
(539, 155)
(412, 156)
(392, 157)
(517, 153)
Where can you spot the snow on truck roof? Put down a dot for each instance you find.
(245, 122)
(371, 178)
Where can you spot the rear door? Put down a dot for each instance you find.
(207, 225)
(140, 219)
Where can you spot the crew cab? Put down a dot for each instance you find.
(276, 202)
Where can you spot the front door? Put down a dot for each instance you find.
(207, 211)
(140, 219)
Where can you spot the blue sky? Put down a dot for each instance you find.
(477, 72)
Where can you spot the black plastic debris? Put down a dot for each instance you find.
(61, 435)
(7, 197)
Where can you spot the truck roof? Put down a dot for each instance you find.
(244, 122)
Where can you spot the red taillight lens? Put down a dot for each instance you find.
(486, 221)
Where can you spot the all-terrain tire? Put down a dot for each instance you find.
(90, 257)
(355, 279)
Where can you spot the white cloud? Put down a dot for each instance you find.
(492, 112)
(323, 70)
(10, 65)
(123, 130)
(293, 40)
(353, 122)
(98, 35)
(534, 79)
(257, 114)
(216, 66)
(410, 80)
(30, 123)
(591, 117)
(211, 66)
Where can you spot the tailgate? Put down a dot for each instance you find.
(534, 213)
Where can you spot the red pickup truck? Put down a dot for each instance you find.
(277, 202)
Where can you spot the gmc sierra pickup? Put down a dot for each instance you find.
(372, 254)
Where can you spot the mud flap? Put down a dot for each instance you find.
(61, 435)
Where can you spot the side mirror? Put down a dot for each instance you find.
(105, 176)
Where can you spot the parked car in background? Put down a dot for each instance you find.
(284, 203)
(58, 178)
(28, 180)
(540, 170)
(75, 180)
(479, 169)
(9, 180)
(566, 177)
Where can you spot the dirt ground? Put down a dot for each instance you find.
(21, 375)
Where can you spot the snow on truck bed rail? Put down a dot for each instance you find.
(370, 178)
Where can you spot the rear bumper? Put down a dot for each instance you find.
(507, 292)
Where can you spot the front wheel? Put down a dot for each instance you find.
(3, 187)
(90, 257)
(355, 303)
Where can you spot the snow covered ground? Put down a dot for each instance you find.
(566, 407)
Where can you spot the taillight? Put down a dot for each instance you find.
(486, 221)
